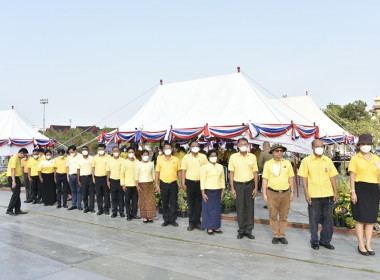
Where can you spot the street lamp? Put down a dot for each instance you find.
(44, 102)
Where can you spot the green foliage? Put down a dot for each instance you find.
(228, 201)
(182, 204)
(4, 178)
(343, 206)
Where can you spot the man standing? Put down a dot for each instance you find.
(28, 188)
(84, 177)
(33, 176)
(191, 166)
(72, 165)
(264, 157)
(99, 178)
(14, 182)
(278, 191)
(113, 169)
(128, 184)
(168, 170)
(244, 185)
(318, 172)
(60, 178)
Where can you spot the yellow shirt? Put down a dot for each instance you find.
(60, 165)
(85, 166)
(128, 173)
(192, 165)
(318, 172)
(144, 172)
(168, 169)
(365, 171)
(24, 163)
(227, 154)
(124, 155)
(99, 163)
(73, 163)
(278, 174)
(212, 177)
(33, 165)
(114, 166)
(243, 166)
(14, 162)
(46, 166)
(180, 155)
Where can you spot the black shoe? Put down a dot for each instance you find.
(114, 215)
(34, 202)
(250, 235)
(29, 201)
(240, 236)
(135, 217)
(314, 246)
(174, 224)
(129, 218)
(199, 227)
(371, 253)
(80, 208)
(150, 221)
(69, 199)
(39, 202)
(327, 246)
(190, 228)
(218, 231)
(145, 221)
(265, 207)
(65, 206)
(10, 213)
(122, 215)
(100, 212)
(106, 212)
(164, 224)
(210, 232)
(25, 201)
(72, 208)
(21, 212)
(364, 253)
(275, 240)
(86, 210)
(92, 211)
(58, 206)
(283, 240)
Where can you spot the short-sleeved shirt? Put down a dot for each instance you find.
(33, 165)
(192, 165)
(128, 173)
(278, 174)
(168, 169)
(114, 166)
(60, 165)
(24, 163)
(85, 166)
(46, 166)
(212, 177)
(243, 166)
(318, 171)
(180, 155)
(99, 163)
(73, 163)
(14, 162)
(144, 172)
(365, 170)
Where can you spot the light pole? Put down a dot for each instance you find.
(44, 102)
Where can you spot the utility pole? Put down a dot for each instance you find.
(44, 102)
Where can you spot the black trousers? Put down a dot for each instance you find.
(15, 202)
(169, 193)
(62, 188)
(131, 195)
(245, 206)
(194, 201)
(28, 188)
(117, 195)
(88, 192)
(36, 188)
(102, 192)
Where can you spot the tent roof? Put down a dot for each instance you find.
(222, 100)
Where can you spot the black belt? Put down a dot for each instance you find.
(86, 175)
(192, 181)
(245, 183)
(277, 190)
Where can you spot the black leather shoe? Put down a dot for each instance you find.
(190, 228)
(218, 231)
(265, 207)
(86, 210)
(21, 212)
(122, 215)
(314, 246)
(10, 213)
(327, 246)
(92, 211)
(106, 212)
(364, 253)
(283, 240)
(58, 206)
(25, 201)
(240, 236)
(29, 201)
(174, 224)
(199, 227)
(80, 208)
(275, 240)
(100, 212)
(250, 235)
(210, 232)
(39, 202)
(150, 221)
(34, 202)
(135, 217)
(72, 208)
(370, 252)
(113, 215)
(65, 206)
(164, 224)
(145, 221)
(129, 218)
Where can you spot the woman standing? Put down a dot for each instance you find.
(144, 176)
(212, 187)
(46, 174)
(364, 174)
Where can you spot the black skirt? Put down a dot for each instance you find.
(366, 208)
(48, 188)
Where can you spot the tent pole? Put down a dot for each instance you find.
(295, 173)
(344, 159)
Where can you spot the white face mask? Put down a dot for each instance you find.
(145, 158)
(48, 157)
(243, 149)
(72, 154)
(168, 152)
(61, 156)
(213, 159)
(131, 155)
(195, 149)
(319, 151)
(116, 154)
(24, 158)
(36, 156)
(160, 153)
(101, 152)
(365, 149)
(85, 153)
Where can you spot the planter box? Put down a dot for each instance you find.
(227, 211)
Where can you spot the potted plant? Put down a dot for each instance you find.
(228, 202)
(342, 209)
(158, 201)
(3, 179)
(350, 222)
(182, 204)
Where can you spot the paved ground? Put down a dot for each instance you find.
(51, 243)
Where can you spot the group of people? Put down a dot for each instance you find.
(130, 181)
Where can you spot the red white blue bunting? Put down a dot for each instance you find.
(152, 136)
(184, 133)
(225, 131)
(269, 130)
(3, 142)
(304, 131)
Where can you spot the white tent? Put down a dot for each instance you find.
(15, 133)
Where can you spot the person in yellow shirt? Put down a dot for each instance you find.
(256, 150)
(278, 189)
(364, 171)
(228, 152)
(318, 178)
(191, 166)
(28, 188)
(124, 154)
(60, 178)
(32, 166)
(168, 170)
(244, 186)
(72, 164)
(212, 185)
(99, 178)
(128, 184)
(84, 177)
(46, 175)
(179, 152)
(14, 182)
(113, 168)
(216, 147)
(41, 153)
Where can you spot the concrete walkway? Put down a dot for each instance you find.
(50, 243)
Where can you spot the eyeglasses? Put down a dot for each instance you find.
(278, 151)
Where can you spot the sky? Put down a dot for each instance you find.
(92, 59)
